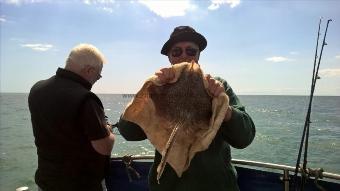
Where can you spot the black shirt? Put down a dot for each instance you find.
(66, 116)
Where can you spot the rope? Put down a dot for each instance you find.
(129, 169)
(318, 174)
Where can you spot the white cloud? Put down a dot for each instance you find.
(277, 59)
(337, 56)
(87, 2)
(107, 9)
(169, 8)
(2, 19)
(330, 72)
(38, 47)
(15, 2)
(294, 53)
(150, 21)
(95, 2)
(17, 39)
(215, 4)
(19, 2)
(104, 5)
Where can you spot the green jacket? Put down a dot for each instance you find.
(210, 169)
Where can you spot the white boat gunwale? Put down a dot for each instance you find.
(238, 162)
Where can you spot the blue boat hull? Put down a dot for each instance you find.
(248, 179)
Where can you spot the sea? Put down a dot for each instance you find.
(279, 124)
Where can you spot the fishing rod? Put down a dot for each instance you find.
(305, 135)
(307, 121)
(304, 130)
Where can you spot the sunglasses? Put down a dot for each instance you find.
(99, 76)
(177, 51)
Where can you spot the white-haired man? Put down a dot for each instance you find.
(73, 140)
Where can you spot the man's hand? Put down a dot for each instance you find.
(228, 114)
(214, 87)
(165, 75)
(109, 127)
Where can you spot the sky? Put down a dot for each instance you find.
(260, 47)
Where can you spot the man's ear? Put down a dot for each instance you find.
(89, 69)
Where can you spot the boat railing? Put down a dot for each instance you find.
(279, 167)
(285, 168)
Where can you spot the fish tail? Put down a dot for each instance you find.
(165, 152)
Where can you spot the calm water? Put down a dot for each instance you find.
(279, 121)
